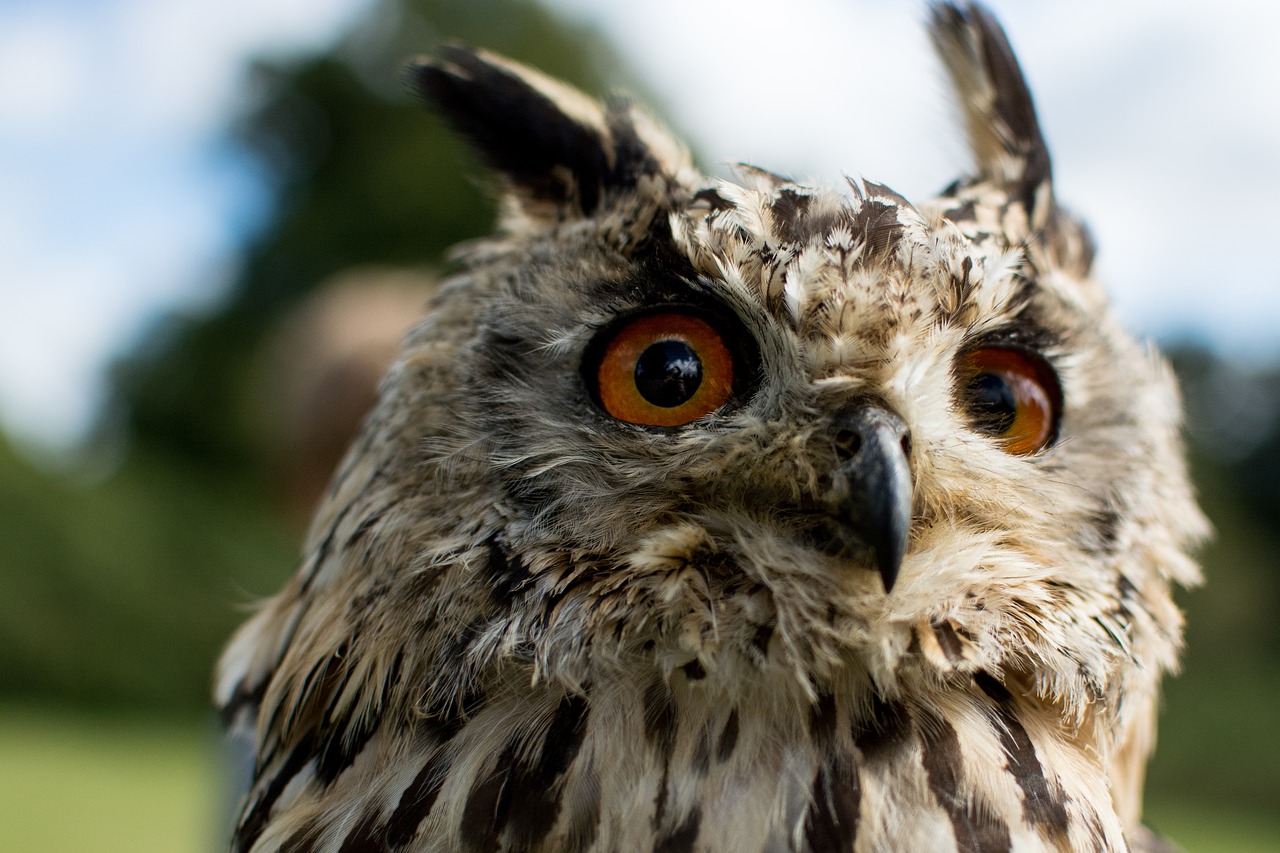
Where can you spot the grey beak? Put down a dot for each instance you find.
(871, 487)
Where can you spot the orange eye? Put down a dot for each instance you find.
(664, 370)
(1012, 395)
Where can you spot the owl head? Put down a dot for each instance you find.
(775, 439)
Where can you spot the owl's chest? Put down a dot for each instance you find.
(570, 773)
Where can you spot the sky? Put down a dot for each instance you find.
(120, 200)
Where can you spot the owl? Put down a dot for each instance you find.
(735, 515)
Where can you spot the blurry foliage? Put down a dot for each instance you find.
(1217, 740)
(122, 592)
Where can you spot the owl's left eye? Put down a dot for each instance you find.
(665, 369)
(1012, 394)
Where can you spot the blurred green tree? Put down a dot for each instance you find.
(1218, 742)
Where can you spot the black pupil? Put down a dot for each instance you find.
(992, 403)
(668, 373)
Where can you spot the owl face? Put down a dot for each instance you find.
(824, 430)
(689, 445)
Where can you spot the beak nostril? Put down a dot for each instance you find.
(848, 443)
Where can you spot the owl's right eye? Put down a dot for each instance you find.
(664, 369)
(1012, 395)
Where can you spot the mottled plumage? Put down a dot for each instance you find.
(904, 585)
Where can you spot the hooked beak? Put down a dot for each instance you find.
(871, 489)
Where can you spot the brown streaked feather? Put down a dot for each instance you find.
(1000, 117)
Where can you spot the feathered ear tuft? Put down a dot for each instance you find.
(1004, 134)
(562, 153)
(999, 114)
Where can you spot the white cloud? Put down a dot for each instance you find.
(812, 88)
(41, 64)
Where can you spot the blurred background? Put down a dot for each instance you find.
(216, 216)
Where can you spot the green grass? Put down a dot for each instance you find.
(90, 784)
(75, 783)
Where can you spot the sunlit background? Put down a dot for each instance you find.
(216, 214)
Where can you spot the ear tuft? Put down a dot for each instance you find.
(562, 152)
(999, 114)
